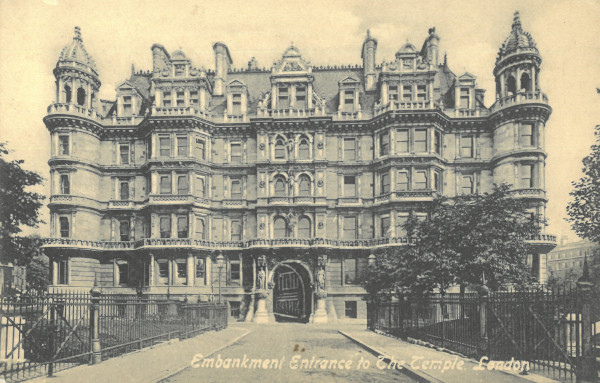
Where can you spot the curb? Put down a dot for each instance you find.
(177, 371)
(420, 376)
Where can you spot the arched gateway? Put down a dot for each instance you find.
(292, 292)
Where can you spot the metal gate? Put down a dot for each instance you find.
(288, 297)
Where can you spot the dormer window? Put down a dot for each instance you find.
(127, 106)
(180, 98)
(348, 99)
(301, 97)
(283, 101)
(393, 93)
(407, 93)
(236, 103)
(464, 98)
(167, 100)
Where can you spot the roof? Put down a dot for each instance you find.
(76, 52)
(517, 39)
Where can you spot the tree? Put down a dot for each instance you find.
(18, 206)
(470, 239)
(584, 210)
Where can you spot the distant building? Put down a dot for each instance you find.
(293, 173)
(567, 259)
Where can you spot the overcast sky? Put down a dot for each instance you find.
(120, 33)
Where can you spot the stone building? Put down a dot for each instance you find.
(275, 184)
(565, 262)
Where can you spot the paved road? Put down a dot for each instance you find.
(290, 353)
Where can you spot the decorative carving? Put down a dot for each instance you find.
(261, 226)
(320, 225)
(320, 183)
(321, 279)
(261, 146)
(290, 145)
(292, 67)
(320, 145)
(262, 184)
(261, 279)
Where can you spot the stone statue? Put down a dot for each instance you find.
(321, 279)
(261, 279)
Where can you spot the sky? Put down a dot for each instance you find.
(118, 34)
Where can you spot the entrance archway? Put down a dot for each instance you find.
(292, 295)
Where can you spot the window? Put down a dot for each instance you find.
(124, 190)
(180, 98)
(124, 230)
(511, 86)
(236, 152)
(393, 93)
(234, 270)
(385, 226)
(165, 184)
(402, 141)
(407, 93)
(304, 186)
(127, 105)
(200, 269)
(349, 271)
(300, 97)
(467, 184)
(400, 222)
(68, 94)
(65, 184)
(402, 181)
(384, 143)
(123, 273)
(464, 98)
(303, 150)
(124, 154)
(182, 226)
(200, 187)
(349, 186)
(236, 104)
(194, 98)
(349, 228)
(64, 227)
(182, 146)
(421, 92)
(62, 272)
(304, 228)
(348, 100)
(236, 230)
(437, 142)
(234, 309)
(165, 226)
(80, 97)
(236, 189)
(64, 145)
(349, 149)
(420, 140)
(279, 187)
(200, 229)
(200, 149)
(466, 146)
(527, 138)
(182, 184)
(279, 149)
(385, 183)
(420, 180)
(167, 101)
(279, 228)
(350, 311)
(165, 146)
(437, 181)
(283, 101)
(181, 269)
(527, 176)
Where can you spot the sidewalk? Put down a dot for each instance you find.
(427, 365)
(151, 364)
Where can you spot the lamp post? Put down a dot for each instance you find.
(372, 259)
(220, 259)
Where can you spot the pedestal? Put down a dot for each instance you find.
(321, 311)
(261, 315)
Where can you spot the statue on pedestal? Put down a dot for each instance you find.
(261, 279)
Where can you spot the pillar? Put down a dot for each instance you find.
(190, 269)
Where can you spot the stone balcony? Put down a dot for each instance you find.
(74, 110)
(171, 111)
(406, 195)
(403, 105)
(291, 113)
(519, 99)
(167, 199)
(529, 193)
(543, 243)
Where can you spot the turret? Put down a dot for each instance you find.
(77, 80)
(369, 50)
(223, 63)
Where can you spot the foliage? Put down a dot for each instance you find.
(17, 206)
(584, 210)
(471, 239)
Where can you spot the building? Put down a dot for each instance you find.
(566, 260)
(289, 175)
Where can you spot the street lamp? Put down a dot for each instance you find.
(220, 259)
(372, 259)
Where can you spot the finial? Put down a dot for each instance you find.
(445, 59)
(132, 69)
(368, 34)
(586, 271)
(77, 35)
(292, 44)
(516, 21)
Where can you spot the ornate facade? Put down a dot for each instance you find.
(277, 182)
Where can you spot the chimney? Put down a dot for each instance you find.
(222, 65)
(369, 50)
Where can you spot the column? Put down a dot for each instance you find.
(356, 100)
(309, 96)
(202, 101)
(292, 96)
(341, 100)
(208, 267)
(229, 103)
(158, 98)
(502, 85)
(54, 272)
(151, 271)
(88, 97)
(456, 97)
(59, 91)
(190, 269)
(518, 80)
(384, 94)
(186, 97)
(273, 96)
(320, 315)
(533, 80)
(244, 102)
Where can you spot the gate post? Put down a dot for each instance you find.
(586, 369)
(94, 324)
(484, 297)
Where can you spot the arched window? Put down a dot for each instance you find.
(279, 149)
(279, 187)
(304, 185)
(280, 229)
(304, 228)
(80, 96)
(303, 151)
(511, 86)
(525, 83)
(68, 94)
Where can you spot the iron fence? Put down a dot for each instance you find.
(44, 334)
(545, 327)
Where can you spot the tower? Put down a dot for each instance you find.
(369, 50)
(519, 118)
